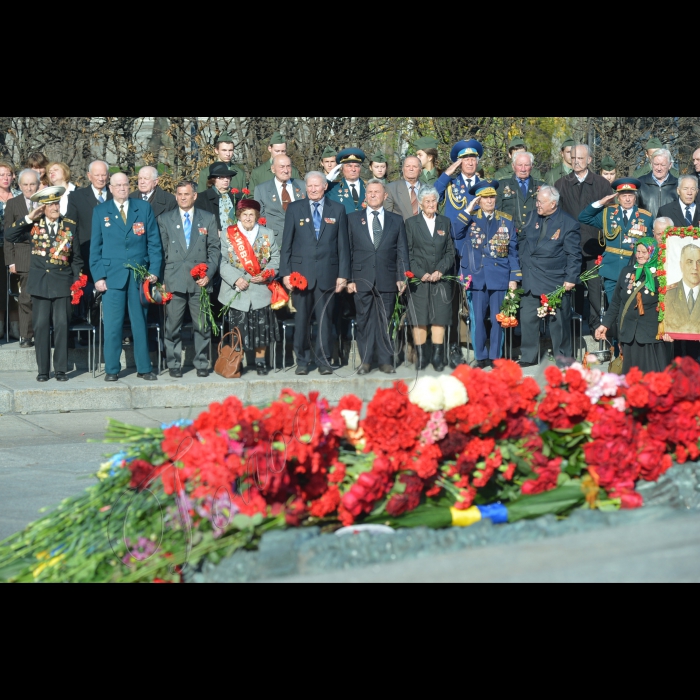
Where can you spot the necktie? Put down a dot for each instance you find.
(53, 230)
(691, 302)
(545, 226)
(523, 188)
(101, 199)
(145, 197)
(355, 195)
(286, 199)
(317, 219)
(626, 216)
(377, 230)
(469, 185)
(188, 229)
(123, 213)
(689, 216)
(414, 202)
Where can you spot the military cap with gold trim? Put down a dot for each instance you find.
(351, 155)
(49, 195)
(627, 184)
(485, 188)
(465, 149)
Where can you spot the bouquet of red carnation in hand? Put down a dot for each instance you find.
(298, 281)
(552, 302)
(77, 290)
(206, 312)
(268, 275)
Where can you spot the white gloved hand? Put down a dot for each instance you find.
(334, 173)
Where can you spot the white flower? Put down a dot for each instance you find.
(455, 393)
(352, 420)
(428, 395)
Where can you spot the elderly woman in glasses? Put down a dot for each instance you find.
(432, 256)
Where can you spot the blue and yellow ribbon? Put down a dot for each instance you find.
(497, 514)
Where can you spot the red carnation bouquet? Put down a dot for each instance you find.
(206, 313)
(298, 281)
(551, 303)
(77, 290)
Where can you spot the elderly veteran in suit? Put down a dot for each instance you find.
(349, 190)
(316, 245)
(380, 261)
(488, 249)
(55, 266)
(432, 255)
(683, 299)
(18, 255)
(249, 255)
(124, 232)
(684, 212)
(551, 257)
(402, 195)
(224, 152)
(190, 237)
(149, 190)
(218, 199)
(277, 147)
(277, 194)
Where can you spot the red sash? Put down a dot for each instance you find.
(251, 264)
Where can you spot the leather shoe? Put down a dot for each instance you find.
(43, 378)
(111, 377)
(176, 373)
(364, 370)
(128, 341)
(325, 371)
(387, 369)
(26, 343)
(61, 377)
(302, 371)
(202, 373)
(149, 377)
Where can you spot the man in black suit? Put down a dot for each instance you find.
(551, 257)
(81, 204)
(686, 211)
(149, 191)
(380, 260)
(315, 245)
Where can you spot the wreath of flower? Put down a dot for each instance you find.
(680, 232)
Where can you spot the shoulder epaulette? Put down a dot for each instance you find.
(503, 215)
(464, 217)
(69, 221)
(673, 286)
(644, 211)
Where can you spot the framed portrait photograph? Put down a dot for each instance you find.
(679, 284)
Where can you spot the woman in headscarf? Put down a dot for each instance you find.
(634, 313)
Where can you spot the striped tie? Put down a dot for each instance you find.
(377, 230)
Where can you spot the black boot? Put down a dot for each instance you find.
(456, 357)
(439, 358)
(422, 361)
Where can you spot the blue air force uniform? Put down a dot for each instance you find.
(115, 244)
(488, 248)
(621, 231)
(342, 191)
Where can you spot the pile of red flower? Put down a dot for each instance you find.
(473, 438)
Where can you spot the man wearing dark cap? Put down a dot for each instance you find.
(55, 266)
(608, 169)
(427, 152)
(564, 168)
(350, 190)
(517, 145)
(224, 151)
(277, 147)
(651, 148)
(329, 160)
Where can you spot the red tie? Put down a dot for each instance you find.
(286, 199)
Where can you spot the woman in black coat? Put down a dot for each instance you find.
(432, 256)
(634, 313)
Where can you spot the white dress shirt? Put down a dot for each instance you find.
(688, 290)
(432, 223)
(125, 205)
(370, 222)
(182, 217)
(290, 189)
(684, 208)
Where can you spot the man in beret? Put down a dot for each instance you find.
(350, 190)
(277, 147)
(565, 167)
(329, 160)
(608, 169)
(651, 148)
(427, 152)
(224, 151)
(517, 145)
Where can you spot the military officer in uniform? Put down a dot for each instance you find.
(622, 224)
(608, 169)
(517, 145)
(427, 152)
(55, 266)
(350, 189)
(224, 150)
(565, 167)
(124, 232)
(487, 243)
(517, 196)
(277, 147)
(653, 146)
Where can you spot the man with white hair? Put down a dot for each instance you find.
(684, 212)
(517, 196)
(661, 225)
(659, 187)
(149, 190)
(550, 256)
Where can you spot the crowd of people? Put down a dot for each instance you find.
(341, 243)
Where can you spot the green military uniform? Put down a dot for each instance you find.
(376, 158)
(562, 170)
(237, 183)
(512, 201)
(653, 145)
(427, 143)
(264, 172)
(508, 172)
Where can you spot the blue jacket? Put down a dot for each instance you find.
(556, 258)
(488, 250)
(115, 244)
(453, 192)
(340, 192)
(619, 240)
